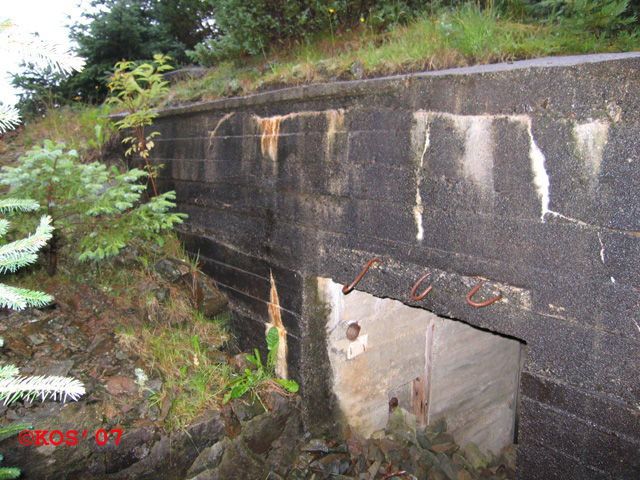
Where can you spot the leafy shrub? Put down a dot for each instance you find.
(98, 210)
(250, 27)
(137, 90)
(603, 17)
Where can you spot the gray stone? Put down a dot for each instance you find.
(260, 432)
(59, 367)
(36, 339)
(284, 450)
(446, 465)
(436, 474)
(58, 462)
(316, 445)
(237, 462)
(475, 457)
(171, 269)
(181, 74)
(134, 445)
(402, 424)
(208, 459)
(332, 464)
(247, 409)
(209, 300)
(203, 432)
(357, 70)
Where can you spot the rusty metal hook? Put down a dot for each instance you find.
(415, 287)
(480, 304)
(347, 288)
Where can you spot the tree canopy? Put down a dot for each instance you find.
(134, 30)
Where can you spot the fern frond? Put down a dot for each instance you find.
(12, 389)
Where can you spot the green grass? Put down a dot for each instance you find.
(446, 38)
(187, 357)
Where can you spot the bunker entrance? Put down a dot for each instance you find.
(435, 367)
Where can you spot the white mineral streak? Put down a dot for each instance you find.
(591, 139)
(478, 148)
(422, 125)
(540, 175)
(601, 248)
(214, 132)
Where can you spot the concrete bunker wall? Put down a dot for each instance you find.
(525, 177)
(433, 367)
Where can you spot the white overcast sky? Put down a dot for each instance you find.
(46, 17)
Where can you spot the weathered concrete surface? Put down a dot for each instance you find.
(471, 376)
(474, 384)
(525, 176)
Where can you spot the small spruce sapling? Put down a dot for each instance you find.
(101, 209)
(19, 253)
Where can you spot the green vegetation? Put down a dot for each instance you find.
(193, 370)
(133, 30)
(441, 35)
(252, 378)
(251, 27)
(252, 45)
(96, 211)
(137, 90)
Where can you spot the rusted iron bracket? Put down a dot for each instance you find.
(415, 297)
(480, 304)
(347, 288)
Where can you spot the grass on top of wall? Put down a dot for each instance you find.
(447, 38)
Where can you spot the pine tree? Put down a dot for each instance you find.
(13, 256)
(20, 253)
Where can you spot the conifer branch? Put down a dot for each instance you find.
(22, 252)
(16, 388)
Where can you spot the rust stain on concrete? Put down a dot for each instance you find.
(270, 129)
(276, 321)
(213, 132)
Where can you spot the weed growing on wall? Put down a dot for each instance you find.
(250, 379)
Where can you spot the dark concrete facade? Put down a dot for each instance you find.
(524, 176)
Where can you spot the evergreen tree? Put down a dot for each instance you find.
(40, 87)
(17, 254)
(188, 21)
(134, 30)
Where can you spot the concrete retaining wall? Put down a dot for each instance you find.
(525, 177)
